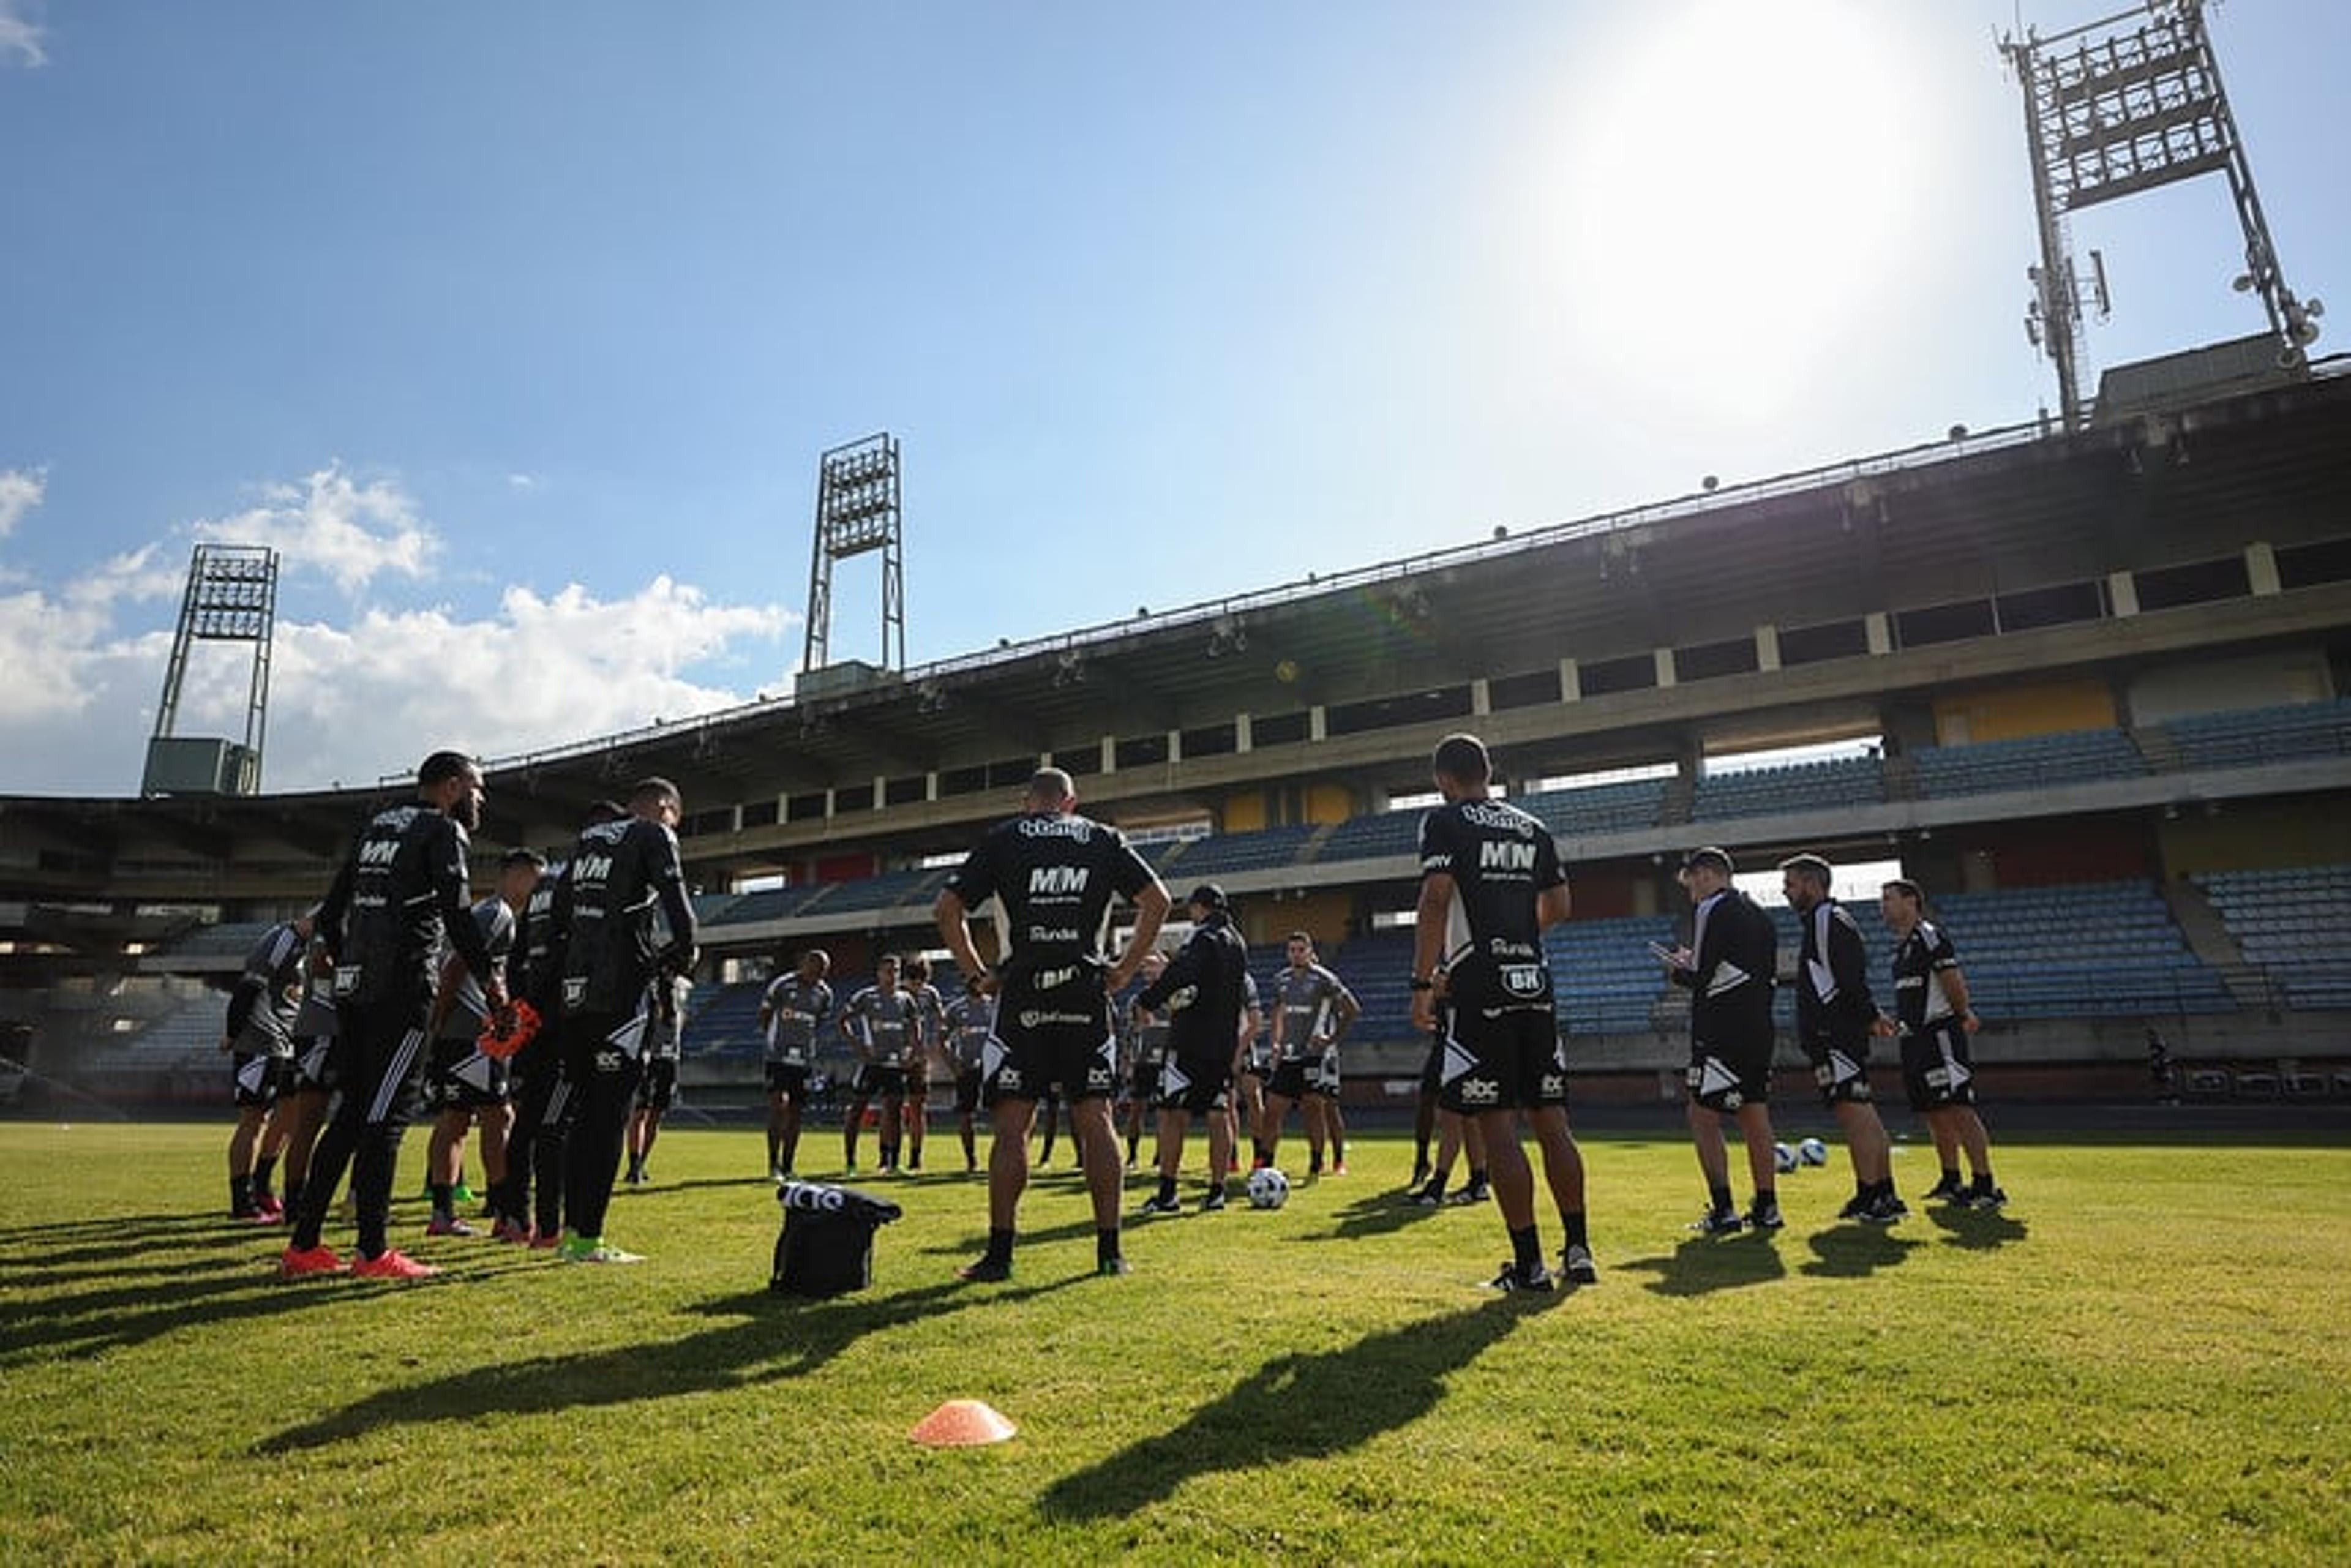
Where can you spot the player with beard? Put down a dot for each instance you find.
(1054, 872)
(620, 873)
(399, 895)
(792, 1010)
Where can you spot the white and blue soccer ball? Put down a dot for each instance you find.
(1813, 1152)
(1784, 1157)
(1268, 1189)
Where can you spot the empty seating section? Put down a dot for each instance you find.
(1388, 835)
(2254, 735)
(2084, 949)
(1227, 853)
(721, 1021)
(885, 891)
(1603, 975)
(230, 938)
(1804, 786)
(2076, 756)
(2294, 922)
(1621, 808)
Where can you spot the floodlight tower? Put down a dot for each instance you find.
(857, 510)
(232, 597)
(2116, 107)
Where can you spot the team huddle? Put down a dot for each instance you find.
(548, 1018)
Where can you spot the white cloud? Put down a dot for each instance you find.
(20, 36)
(20, 491)
(353, 703)
(338, 526)
(519, 481)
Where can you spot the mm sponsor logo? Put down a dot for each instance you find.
(594, 869)
(379, 851)
(1056, 881)
(1495, 854)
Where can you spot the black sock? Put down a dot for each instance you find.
(240, 1195)
(1167, 1189)
(1106, 1245)
(1718, 1198)
(1576, 1234)
(1526, 1249)
(1435, 1188)
(1952, 1176)
(1314, 1164)
(262, 1169)
(999, 1245)
(1766, 1197)
(1983, 1179)
(1477, 1179)
(293, 1195)
(444, 1196)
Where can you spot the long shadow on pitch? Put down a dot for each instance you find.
(1850, 1252)
(774, 1337)
(1377, 1214)
(1978, 1231)
(1295, 1407)
(1704, 1264)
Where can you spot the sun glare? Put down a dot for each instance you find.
(1735, 186)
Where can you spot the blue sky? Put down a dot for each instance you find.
(519, 327)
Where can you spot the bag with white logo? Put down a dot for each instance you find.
(827, 1245)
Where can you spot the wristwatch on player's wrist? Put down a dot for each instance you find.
(1421, 983)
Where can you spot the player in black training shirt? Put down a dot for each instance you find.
(621, 873)
(1834, 1019)
(1490, 884)
(1935, 1019)
(399, 895)
(1205, 992)
(259, 1036)
(1054, 874)
(1729, 969)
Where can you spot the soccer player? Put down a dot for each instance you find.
(657, 1090)
(970, 1025)
(302, 1098)
(1932, 1015)
(1054, 872)
(1834, 1019)
(1727, 968)
(260, 1039)
(1147, 1036)
(1491, 885)
(1248, 1102)
(884, 1026)
(399, 895)
(1205, 994)
(465, 1084)
(930, 1035)
(1455, 1132)
(794, 1007)
(530, 1206)
(620, 873)
(1311, 1012)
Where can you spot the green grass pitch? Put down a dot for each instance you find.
(2145, 1359)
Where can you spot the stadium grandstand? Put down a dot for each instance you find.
(2086, 685)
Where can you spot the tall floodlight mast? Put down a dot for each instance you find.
(232, 597)
(2116, 107)
(857, 511)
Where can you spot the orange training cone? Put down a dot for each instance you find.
(961, 1423)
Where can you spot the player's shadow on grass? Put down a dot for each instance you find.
(1976, 1231)
(1705, 1264)
(121, 1315)
(1293, 1407)
(1852, 1252)
(772, 1337)
(1378, 1214)
(1071, 1231)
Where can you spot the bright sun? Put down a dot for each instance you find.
(1738, 179)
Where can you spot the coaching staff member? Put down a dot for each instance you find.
(620, 873)
(1054, 872)
(1205, 991)
(399, 895)
(1490, 884)
(1727, 968)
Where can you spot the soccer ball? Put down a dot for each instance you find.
(1784, 1157)
(1268, 1189)
(1813, 1152)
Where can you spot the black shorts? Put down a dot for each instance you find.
(1504, 1059)
(463, 1079)
(967, 1085)
(312, 1058)
(1196, 1084)
(254, 1076)
(1725, 1075)
(1296, 1078)
(1842, 1070)
(377, 1063)
(1431, 1070)
(875, 1081)
(1052, 1039)
(788, 1079)
(1936, 1067)
(657, 1090)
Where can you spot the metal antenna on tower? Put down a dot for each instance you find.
(2116, 107)
(857, 510)
(232, 597)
